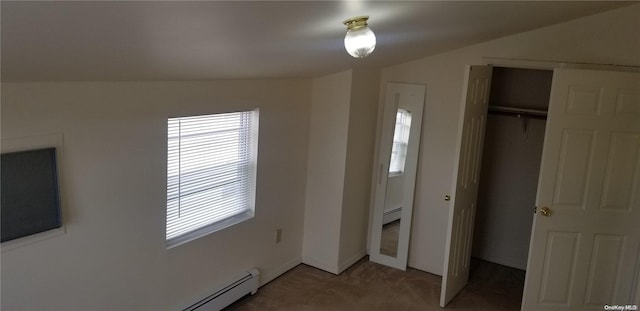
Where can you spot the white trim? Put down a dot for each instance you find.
(31, 239)
(275, 273)
(520, 63)
(15, 144)
(341, 267)
(499, 260)
(553, 64)
(206, 230)
(420, 266)
(636, 282)
(389, 261)
(351, 261)
(320, 265)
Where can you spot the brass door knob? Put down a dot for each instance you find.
(447, 198)
(545, 211)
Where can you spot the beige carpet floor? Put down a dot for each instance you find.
(370, 286)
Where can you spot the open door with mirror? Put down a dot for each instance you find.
(395, 174)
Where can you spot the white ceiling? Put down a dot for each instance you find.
(184, 40)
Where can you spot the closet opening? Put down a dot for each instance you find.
(514, 136)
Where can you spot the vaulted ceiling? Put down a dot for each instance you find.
(185, 40)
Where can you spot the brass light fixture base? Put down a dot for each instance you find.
(356, 22)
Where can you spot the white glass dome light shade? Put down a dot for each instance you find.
(360, 41)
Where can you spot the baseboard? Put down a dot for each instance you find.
(280, 271)
(391, 215)
(502, 261)
(417, 266)
(320, 265)
(351, 261)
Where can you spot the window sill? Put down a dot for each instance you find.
(214, 227)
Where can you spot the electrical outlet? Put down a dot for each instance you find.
(278, 235)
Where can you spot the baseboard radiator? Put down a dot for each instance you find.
(391, 215)
(244, 285)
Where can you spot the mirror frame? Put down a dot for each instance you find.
(410, 97)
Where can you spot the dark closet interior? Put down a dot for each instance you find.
(514, 136)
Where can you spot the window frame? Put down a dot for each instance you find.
(403, 141)
(251, 143)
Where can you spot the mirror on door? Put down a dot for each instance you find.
(393, 202)
(396, 171)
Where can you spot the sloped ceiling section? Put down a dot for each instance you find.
(183, 40)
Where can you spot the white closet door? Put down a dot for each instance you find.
(584, 245)
(465, 185)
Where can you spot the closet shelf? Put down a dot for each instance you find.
(518, 111)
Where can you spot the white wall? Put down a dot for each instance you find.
(508, 186)
(341, 140)
(329, 125)
(609, 38)
(363, 115)
(113, 255)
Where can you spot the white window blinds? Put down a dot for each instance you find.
(400, 141)
(210, 172)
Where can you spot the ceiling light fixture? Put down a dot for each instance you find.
(360, 41)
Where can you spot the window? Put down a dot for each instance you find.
(211, 173)
(400, 142)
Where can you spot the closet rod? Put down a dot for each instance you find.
(532, 113)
